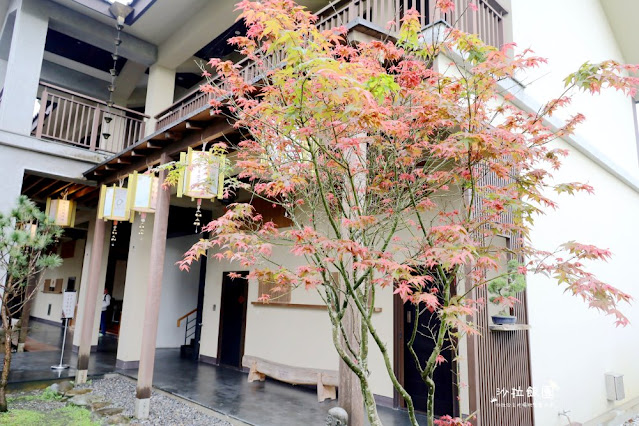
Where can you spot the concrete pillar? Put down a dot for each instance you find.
(3, 71)
(90, 301)
(137, 274)
(153, 297)
(23, 68)
(84, 285)
(127, 80)
(159, 93)
(11, 181)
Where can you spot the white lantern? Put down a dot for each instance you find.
(114, 204)
(203, 177)
(143, 195)
(143, 192)
(61, 212)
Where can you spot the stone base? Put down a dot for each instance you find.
(20, 347)
(126, 365)
(81, 376)
(141, 410)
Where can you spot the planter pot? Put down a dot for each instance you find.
(500, 320)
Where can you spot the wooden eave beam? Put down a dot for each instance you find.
(210, 132)
(46, 187)
(83, 192)
(33, 185)
(61, 189)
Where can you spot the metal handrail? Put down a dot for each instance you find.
(179, 320)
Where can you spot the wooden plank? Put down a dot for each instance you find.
(291, 374)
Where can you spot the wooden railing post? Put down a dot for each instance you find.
(43, 111)
(94, 129)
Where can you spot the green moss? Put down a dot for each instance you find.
(71, 415)
(22, 418)
(50, 395)
(65, 416)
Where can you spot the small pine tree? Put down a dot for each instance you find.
(26, 234)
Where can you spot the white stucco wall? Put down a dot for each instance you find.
(292, 336)
(71, 267)
(573, 346)
(569, 33)
(179, 293)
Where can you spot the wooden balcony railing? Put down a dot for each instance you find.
(82, 121)
(487, 22)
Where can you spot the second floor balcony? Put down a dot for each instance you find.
(86, 122)
(65, 116)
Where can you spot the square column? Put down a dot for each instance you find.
(83, 286)
(22, 74)
(137, 275)
(153, 297)
(160, 91)
(90, 301)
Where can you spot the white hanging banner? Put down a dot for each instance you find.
(68, 304)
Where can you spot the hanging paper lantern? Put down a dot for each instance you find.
(114, 205)
(143, 196)
(61, 211)
(203, 176)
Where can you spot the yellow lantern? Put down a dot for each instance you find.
(143, 196)
(203, 177)
(114, 205)
(61, 211)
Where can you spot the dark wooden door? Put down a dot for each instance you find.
(424, 345)
(232, 320)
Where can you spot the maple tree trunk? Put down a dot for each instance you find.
(430, 402)
(369, 404)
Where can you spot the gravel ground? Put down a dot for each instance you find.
(165, 410)
(120, 392)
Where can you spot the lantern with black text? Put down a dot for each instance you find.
(202, 178)
(61, 211)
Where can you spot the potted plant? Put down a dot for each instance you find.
(503, 291)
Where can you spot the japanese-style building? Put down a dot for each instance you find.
(74, 116)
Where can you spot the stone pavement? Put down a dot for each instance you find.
(225, 390)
